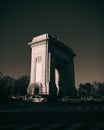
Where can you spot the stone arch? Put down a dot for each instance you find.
(52, 65)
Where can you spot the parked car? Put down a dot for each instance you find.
(38, 98)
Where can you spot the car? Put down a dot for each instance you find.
(38, 98)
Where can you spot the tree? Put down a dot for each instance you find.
(6, 85)
(99, 88)
(12, 87)
(20, 85)
(84, 90)
(1, 75)
(81, 91)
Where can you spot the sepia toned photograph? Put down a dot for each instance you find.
(52, 65)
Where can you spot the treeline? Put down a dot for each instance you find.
(10, 87)
(86, 90)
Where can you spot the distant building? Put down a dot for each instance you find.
(52, 67)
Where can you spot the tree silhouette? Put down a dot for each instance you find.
(98, 89)
(10, 87)
(20, 85)
(85, 90)
(1, 75)
(6, 85)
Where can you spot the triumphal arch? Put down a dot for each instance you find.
(52, 67)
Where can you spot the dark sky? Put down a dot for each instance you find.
(78, 23)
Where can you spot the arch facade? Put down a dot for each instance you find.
(52, 66)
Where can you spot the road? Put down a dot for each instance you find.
(52, 116)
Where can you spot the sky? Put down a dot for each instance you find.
(77, 23)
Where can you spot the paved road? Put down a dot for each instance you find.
(51, 121)
(52, 107)
(63, 126)
(52, 116)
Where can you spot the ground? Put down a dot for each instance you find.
(51, 116)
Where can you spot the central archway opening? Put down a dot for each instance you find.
(60, 78)
(57, 79)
